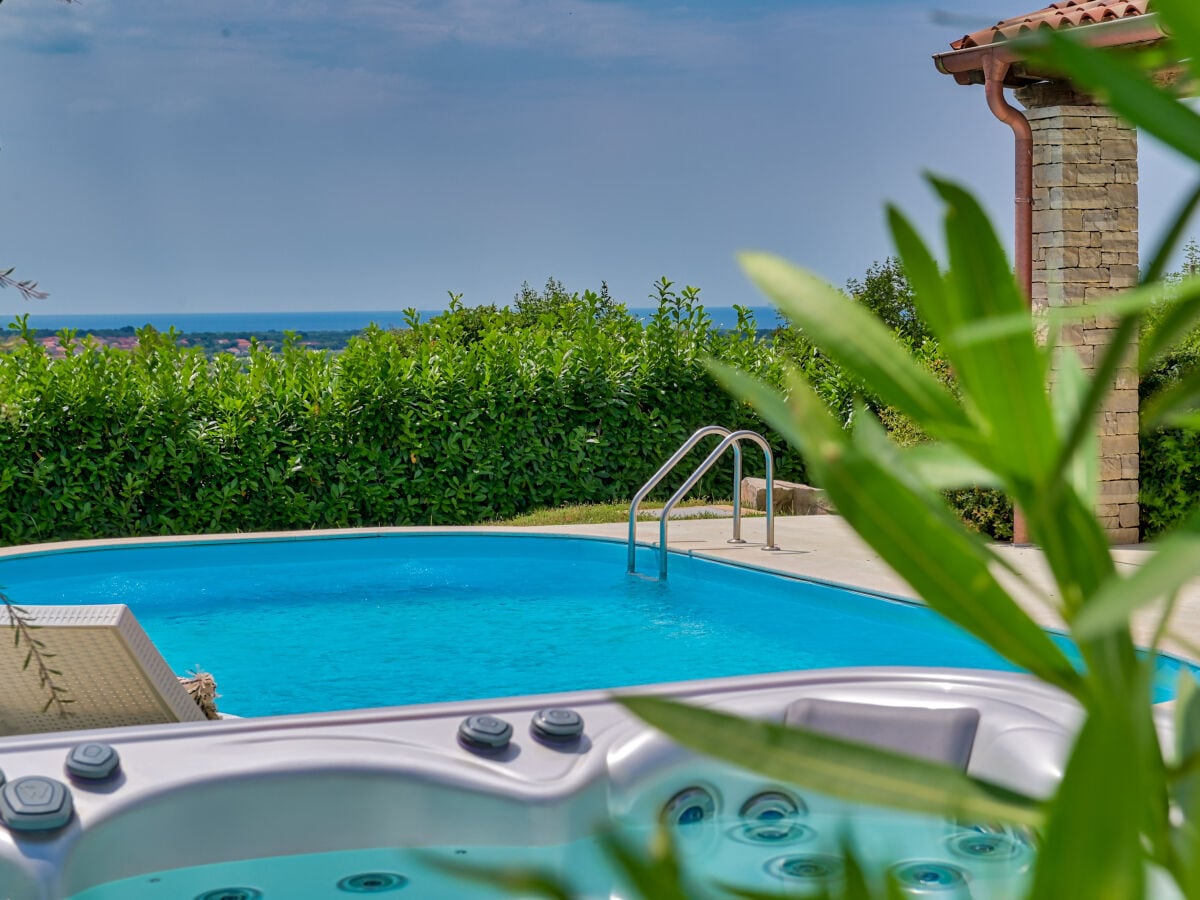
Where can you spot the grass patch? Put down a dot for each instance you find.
(605, 513)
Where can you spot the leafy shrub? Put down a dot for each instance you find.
(1169, 465)
(475, 415)
(1170, 479)
(885, 291)
(984, 510)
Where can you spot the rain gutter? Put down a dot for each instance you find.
(967, 65)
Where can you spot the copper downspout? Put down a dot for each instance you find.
(994, 72)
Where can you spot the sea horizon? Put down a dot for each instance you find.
(279, 321)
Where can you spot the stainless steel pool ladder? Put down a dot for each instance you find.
(729, 439)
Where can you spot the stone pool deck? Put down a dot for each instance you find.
(825, 548)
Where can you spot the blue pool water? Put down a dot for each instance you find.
(322, 623)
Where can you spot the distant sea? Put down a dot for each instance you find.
(339, 320)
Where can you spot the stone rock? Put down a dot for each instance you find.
(788, 497)
(810, 501)
(754, 495)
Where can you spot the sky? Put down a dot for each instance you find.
(225, 155)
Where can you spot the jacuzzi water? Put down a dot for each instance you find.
(319, 623)
(928, 856)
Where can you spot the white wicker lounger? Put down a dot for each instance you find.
(111, 671)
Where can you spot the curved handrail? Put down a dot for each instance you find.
(730, 439)
(697, 436)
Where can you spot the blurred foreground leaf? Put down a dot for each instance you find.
(832, 765)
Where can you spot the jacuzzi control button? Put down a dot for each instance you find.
(35, 803)
(485, 732)
(92, 761)
(557, 725)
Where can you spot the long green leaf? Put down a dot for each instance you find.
(1134, 301)
(947, 566)
(944, 467)
(1003, 378)
(1175, 561)
(1123, 86)
(1092, 845)
(1182, 18)
(1071, 400)
(1182, 309)
(527, 883)
(1073, 543)
(1154, 790)
(924, 467)
(918, 537)
(1167, 407)
(852, 885)
(1161, 257)
(933, 467)
(1078, 554)
(928, 283)
(841, 768)
(656, 875)
(927, 468)
(1186, 787)
(1187, 745)
(1190, 420)
(769, 403)
(1079, 427)
(862, 345)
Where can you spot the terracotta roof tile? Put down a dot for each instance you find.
(1064, 14)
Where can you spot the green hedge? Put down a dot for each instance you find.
(480, 414)
(1169, 459)
(475, 415)
(1170, 479)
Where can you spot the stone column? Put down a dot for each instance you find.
(1085, 246)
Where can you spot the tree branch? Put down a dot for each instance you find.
(29, 289)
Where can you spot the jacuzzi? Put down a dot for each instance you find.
(389, 801)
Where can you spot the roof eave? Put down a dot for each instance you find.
(967, 65)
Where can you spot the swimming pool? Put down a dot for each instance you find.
(309, 624)
(371, 800)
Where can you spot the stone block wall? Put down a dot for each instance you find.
(1085, 246)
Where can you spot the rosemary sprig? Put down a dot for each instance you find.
(36, 655)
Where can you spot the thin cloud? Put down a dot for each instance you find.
(579, 28)
(52, 32)
(380, 34)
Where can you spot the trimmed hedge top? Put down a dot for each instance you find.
(475, 415)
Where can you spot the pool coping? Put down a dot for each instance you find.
(68, 547)
(822, 549)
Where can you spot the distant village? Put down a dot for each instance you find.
(211, 343)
